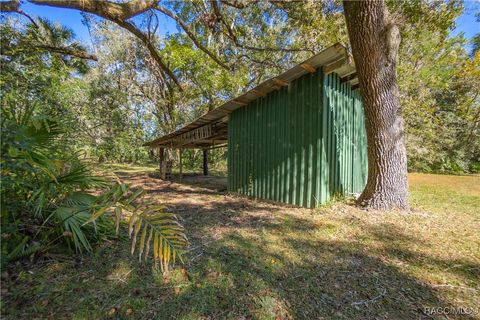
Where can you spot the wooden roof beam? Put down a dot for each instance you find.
(348, 77)
(329, 68)
(354, 81)
(211, 147)
(224, 119)
(279, 82)
(225, 110)
(240, 103)
(308, 67)
(259, 93)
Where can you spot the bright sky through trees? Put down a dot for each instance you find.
(73, 19)
(466, 23)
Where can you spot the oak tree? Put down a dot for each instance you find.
(375, 40)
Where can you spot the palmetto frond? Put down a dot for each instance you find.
(60, 199)
(42, 132)
(72, 220)
(149, 227)
(23, 249)
(79, 174)
(161, 232)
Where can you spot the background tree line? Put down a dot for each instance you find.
(120, 99)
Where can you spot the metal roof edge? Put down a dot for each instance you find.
(334, 59)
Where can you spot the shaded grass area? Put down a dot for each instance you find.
(254, 260)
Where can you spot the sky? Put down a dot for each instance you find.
(73, 19)
(466, 23)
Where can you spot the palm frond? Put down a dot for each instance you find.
(79, 199)
(72, 221)
(165, 234)
(42, 132)
(79, 174)
(39, 160)
(49, 32)
(149, 227)
(23, 249)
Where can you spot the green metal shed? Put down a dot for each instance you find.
(298, 138)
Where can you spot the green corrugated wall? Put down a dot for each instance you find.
(300, 144)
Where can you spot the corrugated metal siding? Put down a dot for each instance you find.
(300, 144)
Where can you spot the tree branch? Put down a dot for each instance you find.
(14, 7)
(117, 13)
(273, 49)
(69, 52)
(231, 34)
(9, 6)
(218, 13)
(153, 51)
(122, 11)
(238, 3)
(191, 35)
(265, 62)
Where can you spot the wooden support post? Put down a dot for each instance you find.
(180, 152)
(162, 165)
(160, 160)
(205, 162)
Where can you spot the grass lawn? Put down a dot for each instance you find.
(254, 260)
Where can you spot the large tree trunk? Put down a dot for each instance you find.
(375, 40)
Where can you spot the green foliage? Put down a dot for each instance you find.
(50, 198)
(43, 189)
(440, 97)
(476, 38)
(45, 200)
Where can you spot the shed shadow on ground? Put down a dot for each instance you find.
(325, 279)
(248, 260)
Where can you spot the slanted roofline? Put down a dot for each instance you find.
(211, 128)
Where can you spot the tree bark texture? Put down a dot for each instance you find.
(375, 41)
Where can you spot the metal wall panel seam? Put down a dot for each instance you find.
(300, 144)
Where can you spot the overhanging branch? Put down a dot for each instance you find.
(231, 34)
(69, 52)
(191, 35)
(123, 11)
(117, 13)
(153, 51)
(9, 6)
(14, 7)
(120, 12)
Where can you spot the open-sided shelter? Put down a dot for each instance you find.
(298, 138)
